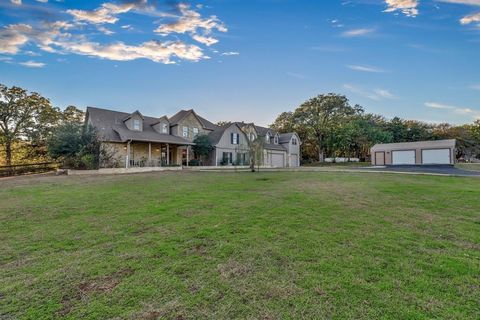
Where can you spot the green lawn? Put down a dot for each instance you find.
(240, 245)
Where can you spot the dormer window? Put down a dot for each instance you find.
(294, 141)
(275, 140)
(136, 125)
(164, 128)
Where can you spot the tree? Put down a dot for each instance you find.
(24, 116)
(256, 147)
(76, 146)
(202, 147)
(320, 116)
(73, 114)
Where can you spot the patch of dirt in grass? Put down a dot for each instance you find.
(233, 269)
(103, 284)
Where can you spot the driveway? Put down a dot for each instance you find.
(433, 169)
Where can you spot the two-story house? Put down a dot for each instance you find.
(137, 140)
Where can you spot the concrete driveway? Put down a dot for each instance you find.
(432, 169)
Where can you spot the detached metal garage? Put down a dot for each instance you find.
(414, 153)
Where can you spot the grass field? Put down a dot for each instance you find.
(240, 245)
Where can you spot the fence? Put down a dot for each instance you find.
(6, 171)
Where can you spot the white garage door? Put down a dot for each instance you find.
(294, 160)
(403, 157)
(277, 160)
(439, 156)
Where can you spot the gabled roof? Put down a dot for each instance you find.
(161, 119)
(263, 130)
(272, 146)
(132, 114)
(450, 143)
(182, 114)
(217, 134)
(285, 137)
(110, 126)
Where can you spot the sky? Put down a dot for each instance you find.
(247, 60)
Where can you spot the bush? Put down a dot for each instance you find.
(194, 163)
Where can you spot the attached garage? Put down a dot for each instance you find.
(439, 152)
(278, 160)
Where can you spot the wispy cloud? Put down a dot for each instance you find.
(375, 94)
(360, 32)
(365, 68)
(465, 111)
(407, 7)
(475, 86)
(230, 53)
(72, 37)
(32, 64)
(191, 22)
(295, 75)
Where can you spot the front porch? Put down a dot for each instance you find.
(137, 154)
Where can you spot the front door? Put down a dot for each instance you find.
(379, 158)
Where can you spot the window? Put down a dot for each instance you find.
(185, 132)
(294, 141)
(227, 158)
(195, 132)
(275, 140)
(267, 138)
(136, 125)
(252, 136)
(234, 138)
(164, 128)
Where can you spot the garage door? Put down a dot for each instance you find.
(277, 160)
(439, 156)
(294, 160)
(403, 157)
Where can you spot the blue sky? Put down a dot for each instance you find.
(244, 59)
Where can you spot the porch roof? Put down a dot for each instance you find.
(149, 136)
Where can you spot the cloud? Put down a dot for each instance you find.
(32, 64)
(475, 86)
(466, 2)
(53, 38)
(152, 50)
(17, 2)
(464, 111)
(407, 7)
(107, 13)
(365, 68)
(358, 32)
(375, 94)
(191, 22)
(69, 37)
(230, 53)
(471, 18)
(13, 37)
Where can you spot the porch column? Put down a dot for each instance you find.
(187, 155)
(168, 154)
(127, 163)
(149, 154)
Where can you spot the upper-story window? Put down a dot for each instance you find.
(185, 132)
(136, 125)
(235, 138)
(252, 136)
(275, 140)
(267, 138)
(195, 132)
(164, 128)
(294, 141)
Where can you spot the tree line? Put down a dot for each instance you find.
(33, 130)
(329, 126)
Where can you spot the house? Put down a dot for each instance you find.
(137, 140)
(414, 153)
